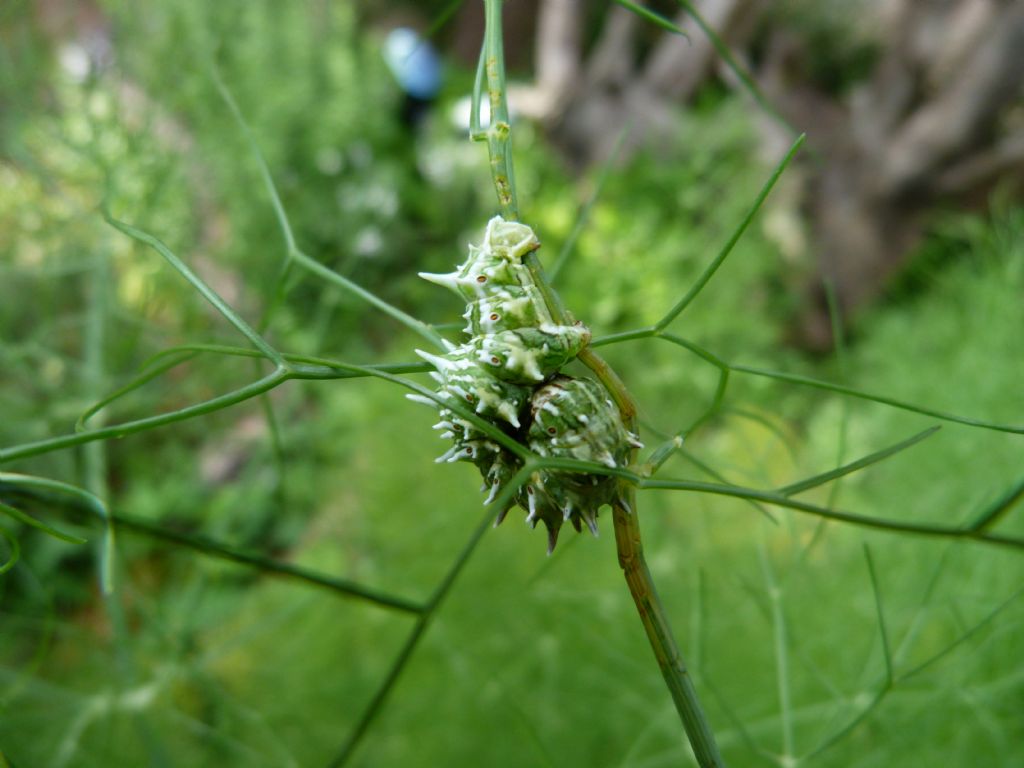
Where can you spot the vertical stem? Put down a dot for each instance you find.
(94, 455)
(94, 470)
(499, 132)
(659, 632)
(781, 643)
(627, 526)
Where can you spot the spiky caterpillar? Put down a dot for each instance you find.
(508, 373)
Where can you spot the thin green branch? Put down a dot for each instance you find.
(156, 366)
(734, 65)
(781, 651)
(205, 290)
(806, 381)
(124, 429)
(865, 521)
(331, 370)
(21, 517)
(329, 275)
(883, 631)
(294, 253)
(296, 360)
(659, 632)
(854, 466)
(15, 550)
(647, 332)
(498, 133)
(94, 455)
(268, 181)
(652, 332)
(380, 697)
(221, 551)
(583, 216)
(995, 512)
(652, 16)
(723, 254)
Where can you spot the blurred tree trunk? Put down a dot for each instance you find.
(924, 128)
(932, 122)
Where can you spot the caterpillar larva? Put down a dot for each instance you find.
(509, 373)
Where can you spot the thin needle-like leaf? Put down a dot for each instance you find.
(882, 629)
(222, 551)
(15, 549)
(835, 318)
(268, 180)
(329, 275)
(734, 65)
(964, 637)
(854, 466)
(652, 332)
(157, 365)
(412, 641)
(294, 254)
(21, 517)
(716, 475)
(879, 523)
(442, 18)
(723, 254)
(32, 483)
(652, 16)
(205, 290)
(149, 373)
(806, 381)
(994, 513)
(139, 425)
(781, 652)
(583, 216)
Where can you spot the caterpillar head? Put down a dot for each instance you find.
(497, 263)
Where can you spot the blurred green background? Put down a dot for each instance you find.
(197, 661)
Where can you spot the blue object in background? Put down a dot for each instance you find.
(414, 63)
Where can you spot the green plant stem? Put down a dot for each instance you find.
(222, 551)
(629, 546)
(627, 526)
(94, 455)
(659, 632)
(498, 134)
(424, 619)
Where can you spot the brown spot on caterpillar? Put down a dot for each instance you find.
(495, 317)
(552, 431)
(496, 360)
(481, 278)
